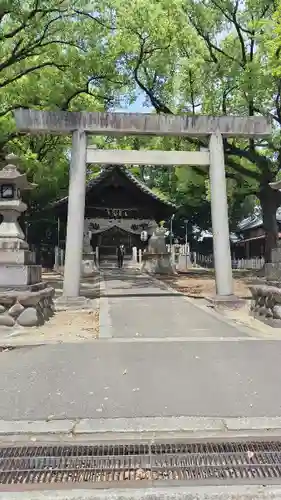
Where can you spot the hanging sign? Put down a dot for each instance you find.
(116, 213)
(143, 236)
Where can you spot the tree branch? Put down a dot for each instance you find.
(93, 18)
(158, 105)
(21, 27)
(250, 155)
(210, 45)
(86, 90)
(241, 170)
(29, 49)
(60, 67)
(225, 94)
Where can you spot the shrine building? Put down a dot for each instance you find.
(118, 207)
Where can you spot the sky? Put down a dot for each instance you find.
(136, 107)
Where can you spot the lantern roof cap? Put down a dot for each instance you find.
(10, 173)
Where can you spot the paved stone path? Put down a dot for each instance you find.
(183, 362)
(139, 306)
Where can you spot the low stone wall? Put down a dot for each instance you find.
(266, 304)
(26, 308)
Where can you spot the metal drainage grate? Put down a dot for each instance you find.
(204, 462)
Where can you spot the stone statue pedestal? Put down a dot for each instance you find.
(273, 269)
(89, 267)
(88, 264)
(157, 260)
(157, 263)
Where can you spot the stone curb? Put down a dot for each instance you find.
(142, 425)
(105, 326)
(36, 427)
(152, 424)
(10, 343)
(192, 492)
(259, 423)
(176, 425)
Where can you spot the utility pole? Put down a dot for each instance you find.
(171, 232)
(185, 223)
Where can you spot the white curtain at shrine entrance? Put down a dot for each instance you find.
(134, 226)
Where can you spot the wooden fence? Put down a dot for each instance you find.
(208, 261)
(182, 259)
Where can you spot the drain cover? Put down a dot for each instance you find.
(250, 462)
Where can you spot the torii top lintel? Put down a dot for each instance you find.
(65, 122)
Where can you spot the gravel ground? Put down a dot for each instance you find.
(203, 285)
(64, 326)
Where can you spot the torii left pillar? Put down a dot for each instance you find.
(75, 217)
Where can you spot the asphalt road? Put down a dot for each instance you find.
(130, 379)
(166, 357)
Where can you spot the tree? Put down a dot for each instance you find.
(274, 42)
(211, 57)
(242, 82)
(74, 55)
(52, 57)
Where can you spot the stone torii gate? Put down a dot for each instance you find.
(80, 124)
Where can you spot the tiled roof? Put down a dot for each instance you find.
(107, 171)
(208, 234)
(251, 222)
(256, 221)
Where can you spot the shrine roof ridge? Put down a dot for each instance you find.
(106, 171)
(103, 123)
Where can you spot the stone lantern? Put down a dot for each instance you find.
(12, 183)
(17, 263)
(25, 300)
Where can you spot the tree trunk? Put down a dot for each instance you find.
(270, 200)
(3, 154)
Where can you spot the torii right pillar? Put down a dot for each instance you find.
(219, 208)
